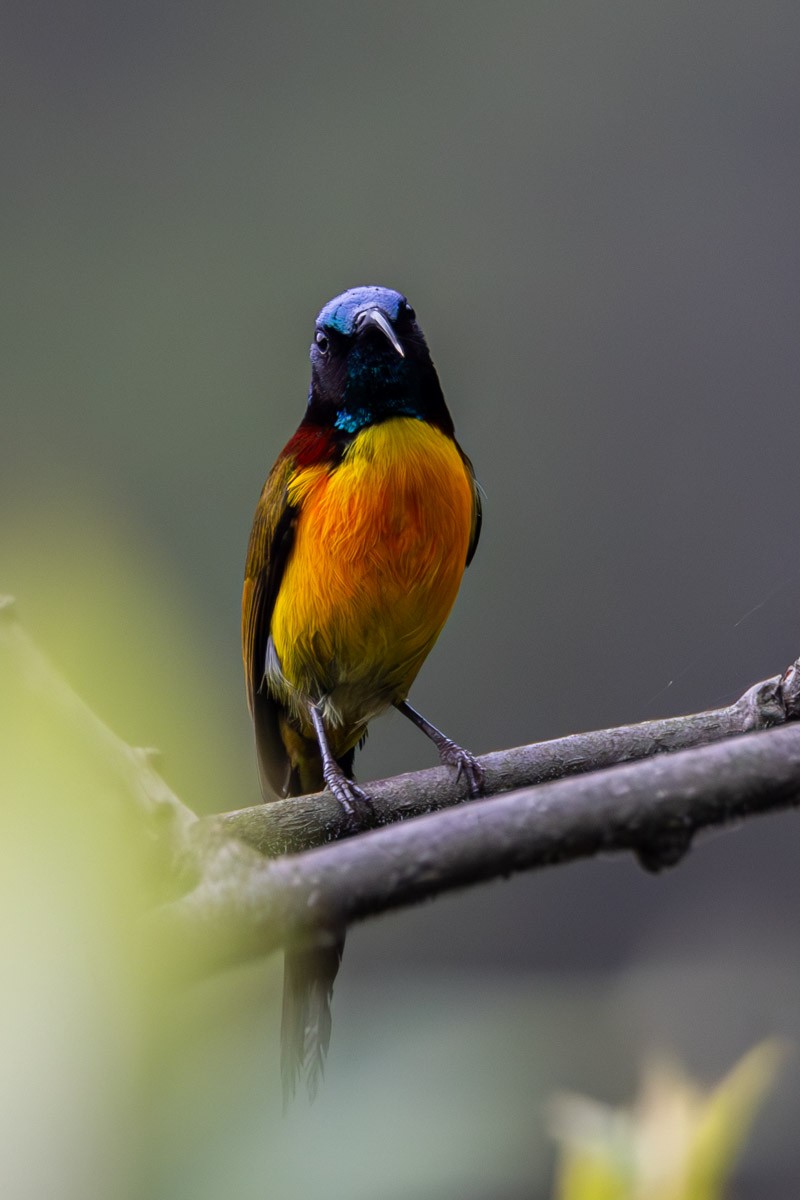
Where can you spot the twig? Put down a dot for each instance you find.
(653, 808)
(287, 826)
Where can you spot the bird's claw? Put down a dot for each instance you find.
(466, 765)
(353, 800)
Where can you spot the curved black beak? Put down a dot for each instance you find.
(378, 318)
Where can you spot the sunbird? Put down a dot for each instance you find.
(359, 541)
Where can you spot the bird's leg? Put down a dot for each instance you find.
(466, 764)
(354, 801)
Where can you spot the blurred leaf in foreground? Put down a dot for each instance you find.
(75, 874)
(93, 1032)
(677, 1142)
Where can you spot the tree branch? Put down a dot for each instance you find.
(653, 808)
(287, 826)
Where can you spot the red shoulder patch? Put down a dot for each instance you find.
(311, 445)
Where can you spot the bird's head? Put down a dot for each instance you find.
(370, 362)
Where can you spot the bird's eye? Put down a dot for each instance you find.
(322, 341)
(410, 312)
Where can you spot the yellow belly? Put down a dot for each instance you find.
(379, 552)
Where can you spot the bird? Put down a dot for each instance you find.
(360, 538)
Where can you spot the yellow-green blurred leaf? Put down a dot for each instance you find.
(726, 1118)
(677, 1142)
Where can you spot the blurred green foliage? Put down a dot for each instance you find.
(678, 1142)
(92, 1034)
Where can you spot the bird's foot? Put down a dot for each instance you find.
(466, 765)
(353, 800)
(452, 755)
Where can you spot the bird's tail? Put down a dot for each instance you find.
(308, 977)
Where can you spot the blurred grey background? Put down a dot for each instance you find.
(594, 210)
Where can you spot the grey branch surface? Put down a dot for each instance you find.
(653, 808)
(287, 826)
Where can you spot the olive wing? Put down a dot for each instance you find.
(271, 541)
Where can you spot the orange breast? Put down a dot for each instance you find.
(379, 552)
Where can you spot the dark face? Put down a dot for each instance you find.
(370, 362)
